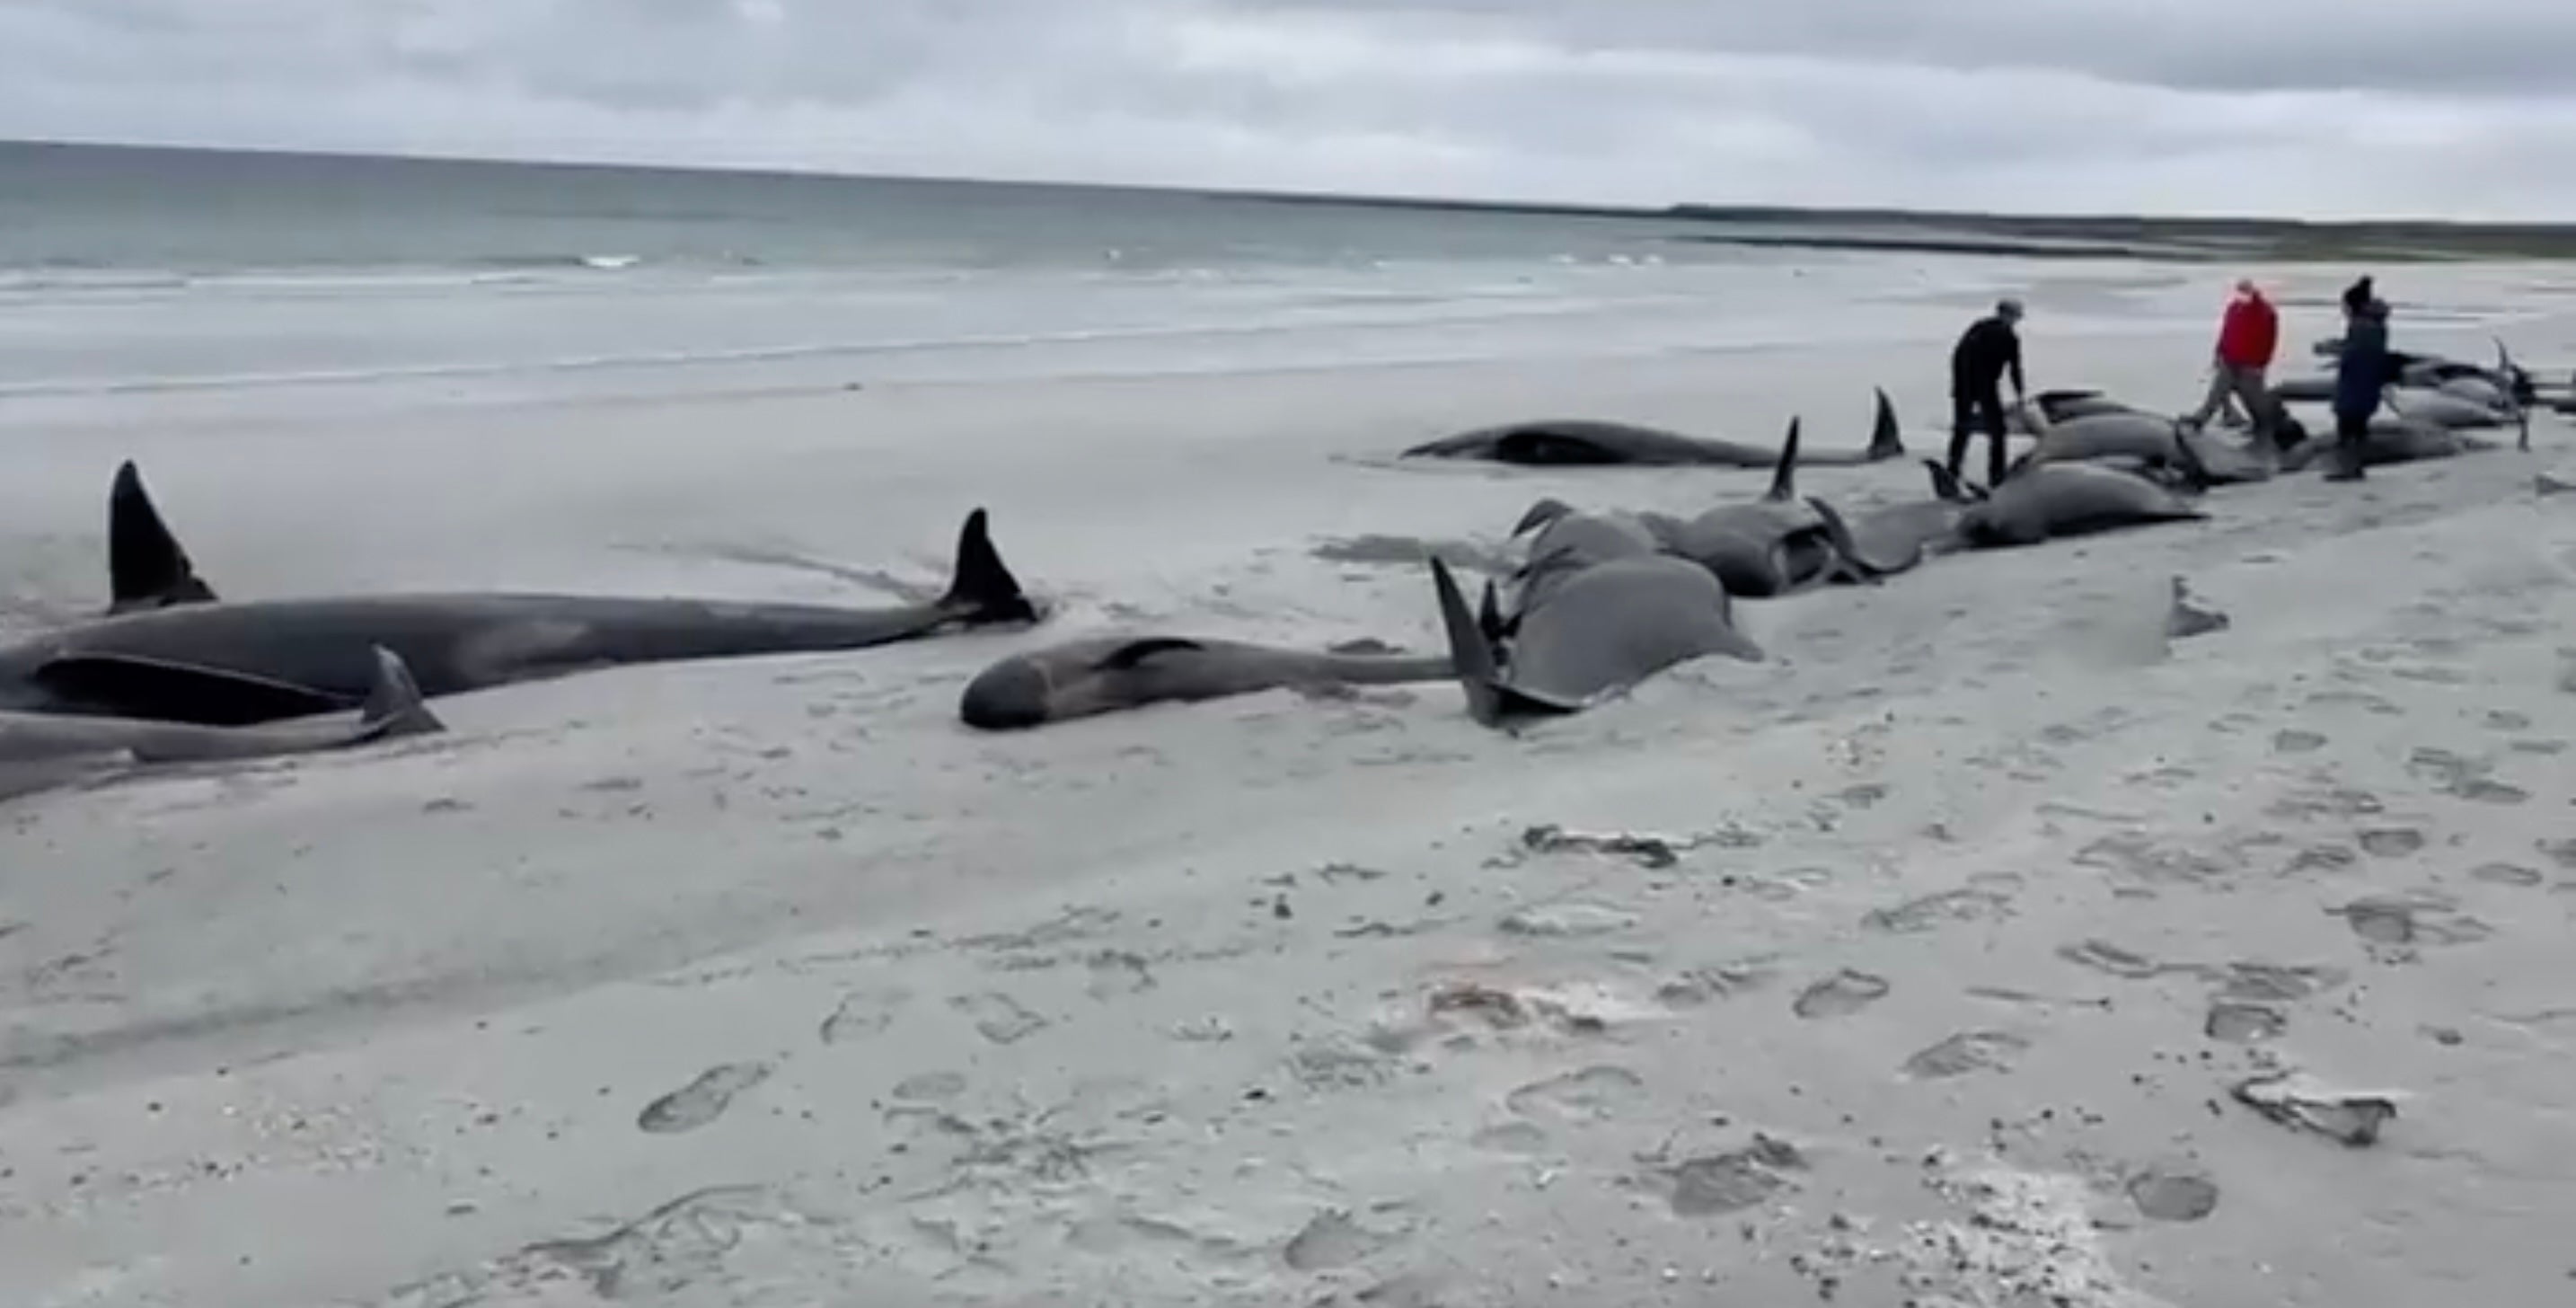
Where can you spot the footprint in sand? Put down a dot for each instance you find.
(2486, 790)
(931, 1087)
(1934, 910)
(2297, 742)
(862, 1013)
(2337, 801)
(998, 1017)
(2274, 983)
(1571, 919)
(2391, 842)
(1844, 993)
(2239, 1023)
(1701, 985)
(1510, 1138)
(2415, 918)
(2506, 874)
(1966, 1052)
(2466, 778)
(1116, 974)
(1589, 1095)
(1333, 1239)
(2379, 921)
(1735, 1180)
(701, 1101)
(2173, 1193)
(2103, 956)
(2323, 858)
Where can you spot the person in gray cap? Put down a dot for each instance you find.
(1985, 353)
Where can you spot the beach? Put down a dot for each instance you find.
(1943, 938)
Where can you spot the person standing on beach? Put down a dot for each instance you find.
(2362, 368)
(1986, 351)
(2247, 337)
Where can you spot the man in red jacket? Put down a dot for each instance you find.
(2246, 339)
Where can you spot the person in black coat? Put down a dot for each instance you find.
(2363, 369)
(1986, 352)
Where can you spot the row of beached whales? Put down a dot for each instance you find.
(172, 673)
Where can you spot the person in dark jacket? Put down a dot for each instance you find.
(2363, 369)
(1985, 353)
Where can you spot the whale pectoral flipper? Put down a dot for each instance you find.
(395, 707)
(147, 568)
(137, 687)
(1135, 652)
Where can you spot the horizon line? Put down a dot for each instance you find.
(1685, 210)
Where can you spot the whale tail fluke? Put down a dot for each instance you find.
(147, 568)
(1469, 650)
(394, 706)
(1490, 700)
(984, 591)
(1886, 441)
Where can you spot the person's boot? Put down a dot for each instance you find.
(2347, 462)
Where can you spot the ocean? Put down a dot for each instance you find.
(332, 283)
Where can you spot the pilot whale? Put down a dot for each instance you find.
(1587, 442)
(175, 654)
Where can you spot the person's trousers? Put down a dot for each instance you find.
(1970, 414)
(2246, 384)
(2352, 431)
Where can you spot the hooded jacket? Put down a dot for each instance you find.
(2363, 366)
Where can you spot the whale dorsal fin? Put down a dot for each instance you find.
(1135, 652)
(1886, 439)
(135, 686)
(1784, 478)
(147, 568)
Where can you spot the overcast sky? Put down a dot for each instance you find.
(2463, 108)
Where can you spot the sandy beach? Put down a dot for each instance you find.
(1948, 932)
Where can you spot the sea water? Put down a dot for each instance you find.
(272, 283)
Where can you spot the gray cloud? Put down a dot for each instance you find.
(2468, 47)
(2182, 105)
